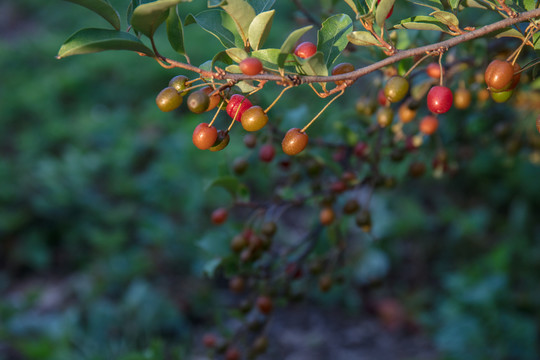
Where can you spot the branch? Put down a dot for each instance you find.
(354, 75)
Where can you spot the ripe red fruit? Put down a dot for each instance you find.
(219, 216)
(391, 10)
(381, 98)
(232, 354)
(237, 284)
(433, 70)
(360, 149)
(267, 153)
(238, 103)
(499, 75)
(209, 340)
(429, 124)
(439, 99)
(305, 50)
(251, 66)
(293, 270)
(204, 136)
(264, 304)
(294, 141)
(516, 77)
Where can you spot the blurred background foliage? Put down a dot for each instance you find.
(103, 207)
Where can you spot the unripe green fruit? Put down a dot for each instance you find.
(269, 228)
(240, 166)
(179, 83)
(385, 116)
(502, 96)
(198, 102)
(222, 141)
(168, 99)
(396, 88)
(363, 220)
(351, 206)
(254, 118)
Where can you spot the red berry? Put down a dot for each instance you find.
(238, 103)
(204, 136)
(439, 99)
(429, 124)
(264, 304)
(499, 75)
(251, 66)
(360, 149)
(219, 216)
(209, 340)
(381, 98)
(267, 153)
(232, 354)
(305, 50)
(294, 141)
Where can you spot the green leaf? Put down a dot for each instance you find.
(422, 22)
(102, 8)
(446, 18)
(175, 31)
(242, 14)
(221, 57)
(260, 28)
(232, 185)
(314, 65)
(270, 58)
(218, 23)
(237, 54)
(332, 37)
(511, 32)
(536, 41)
(432, 4)
(478, 4)
(246, 86)
(362, 38)
(383, 9)
(261, 5)
(233, 69)
(146, 18)
(87, 41)
(528, 5)
(454, 3)
(290, 43)
(211, 266)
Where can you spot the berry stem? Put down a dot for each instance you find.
(277, 99)
(416, 64)
(216, 114)
(322, 110)
(441, 68)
